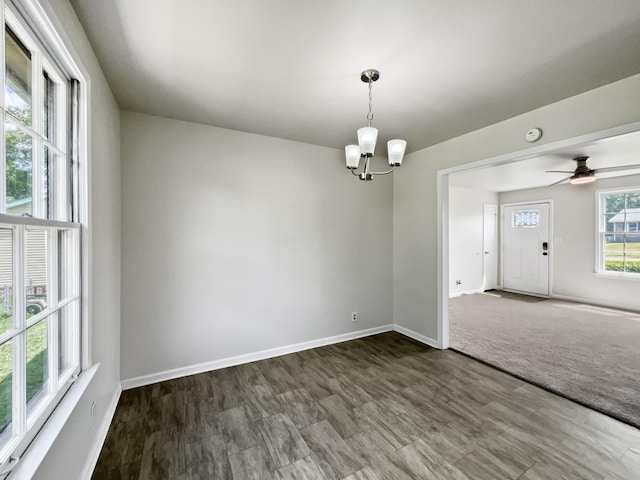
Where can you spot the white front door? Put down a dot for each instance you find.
(490, 248)
(526, 248)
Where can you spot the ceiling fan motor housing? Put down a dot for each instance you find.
(582, 168)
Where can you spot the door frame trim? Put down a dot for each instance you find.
(551, 243)
(442, 207)
(498, 232)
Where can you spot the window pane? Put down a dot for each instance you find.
(59, 173)
(613, 252)
(36, 271)
(633, 200)
(66, 264)
(6, 386)
(49, 108)
(37, 361)
(68, 326)
(6, 280)
(18, 78)
(610, 223)
(632, 263)
(620, 223)
(614, 202)
(19, 164)
(47, 172)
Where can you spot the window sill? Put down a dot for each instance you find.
(37, 451)
(634, 277)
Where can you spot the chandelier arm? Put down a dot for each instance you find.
(384, 173)
(353, 172)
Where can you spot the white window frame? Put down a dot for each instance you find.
(38, 19)
(601, 232)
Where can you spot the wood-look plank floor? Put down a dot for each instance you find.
(377, 408)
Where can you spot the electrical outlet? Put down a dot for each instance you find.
(354, 316)
(92, 415)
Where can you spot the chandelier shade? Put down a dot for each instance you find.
(367, 137)
(352, 152)
(395, 151)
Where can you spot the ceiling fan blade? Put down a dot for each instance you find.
(560, 181)
(558, 171)
(616, 169)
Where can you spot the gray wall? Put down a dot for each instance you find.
(574, 225)
(235, 243)
(466, 238)
(70, 452)
(415, 190)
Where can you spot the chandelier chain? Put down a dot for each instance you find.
(370, 114)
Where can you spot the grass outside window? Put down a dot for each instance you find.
(36, 358)
(622, 257)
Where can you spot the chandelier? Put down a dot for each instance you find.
(367, 137)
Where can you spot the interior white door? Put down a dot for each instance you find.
(490, 247)
(526, 248)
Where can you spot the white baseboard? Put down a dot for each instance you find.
(466, 292)
(101, 436)
(417, 336)
(249, 357)
(632, 308)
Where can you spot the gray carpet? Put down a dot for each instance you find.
(586, 353)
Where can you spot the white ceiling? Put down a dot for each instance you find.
(291, 68)
(530, 173)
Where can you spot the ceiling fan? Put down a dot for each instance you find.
(584, 174)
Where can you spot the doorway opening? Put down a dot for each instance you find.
(542, 158)
(552, 321)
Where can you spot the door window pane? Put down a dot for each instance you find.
(37, 361)
(6, 280)
(18, 78)
(526, 218)
(36, 271)
(19, 165)
(6, 386)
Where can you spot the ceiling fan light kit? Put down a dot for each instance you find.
(367, 137)
(580, 179)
